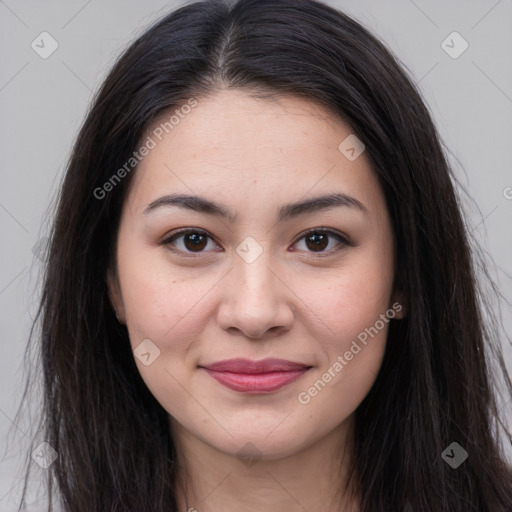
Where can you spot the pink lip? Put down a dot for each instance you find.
(249, 376)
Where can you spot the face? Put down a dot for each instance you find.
(257, 268)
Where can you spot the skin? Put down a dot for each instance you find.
(254, 156)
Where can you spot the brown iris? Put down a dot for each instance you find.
(318, 241)
(195, 241)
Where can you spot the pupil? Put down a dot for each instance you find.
(319, 241)
(197, 241)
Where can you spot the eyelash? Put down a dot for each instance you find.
(343, 242)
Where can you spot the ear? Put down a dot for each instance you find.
(114, 294)
(399, 301)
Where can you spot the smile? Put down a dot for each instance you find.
(247, 376)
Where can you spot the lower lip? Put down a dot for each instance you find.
(256, 382)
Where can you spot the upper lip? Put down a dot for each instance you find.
(240, 365)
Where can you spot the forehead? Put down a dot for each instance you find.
(231, 143)
(235, 120)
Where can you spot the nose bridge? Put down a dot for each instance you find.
(257, 300)
(256, 279)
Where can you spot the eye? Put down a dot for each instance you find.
(190, 241)
(320, 240)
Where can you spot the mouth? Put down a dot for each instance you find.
(246, 376)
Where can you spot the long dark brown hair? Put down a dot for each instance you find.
(436, 385)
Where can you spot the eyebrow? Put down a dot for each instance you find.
(286, 212)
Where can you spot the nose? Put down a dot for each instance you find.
(257, 303)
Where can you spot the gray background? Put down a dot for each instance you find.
(43, 103)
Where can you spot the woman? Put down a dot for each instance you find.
(260, 293)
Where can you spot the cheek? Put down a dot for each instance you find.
(348, 300)
(171, 311)
(352, 347)
(355, 311)
(158, 298)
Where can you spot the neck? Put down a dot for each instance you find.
(311, 479)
